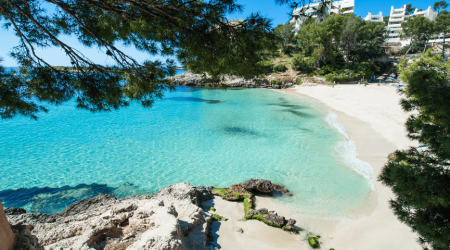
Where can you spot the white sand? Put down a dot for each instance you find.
(374, 120)
(377, 105)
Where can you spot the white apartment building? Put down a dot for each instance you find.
(338, 7)
(374, 18)
(398, 16)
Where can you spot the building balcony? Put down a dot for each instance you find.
(397, 14)
(395, 25)
(393, 40)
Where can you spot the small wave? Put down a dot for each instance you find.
(347, 150)
(331, 119)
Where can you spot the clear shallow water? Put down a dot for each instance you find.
(205, 137)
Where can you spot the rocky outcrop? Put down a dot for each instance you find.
(260, 185)
(25, 240)
(308, 81)
(246, 191)
(14, 211)
(171, 219)
(6, 235)
(282, 188)
(189, 79)
(273, 219)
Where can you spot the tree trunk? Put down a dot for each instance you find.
(6, 235)
(409, 49)
(443, 47)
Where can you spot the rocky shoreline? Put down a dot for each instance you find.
(173, 218)
(199, 80)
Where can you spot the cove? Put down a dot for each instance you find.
(201, 136)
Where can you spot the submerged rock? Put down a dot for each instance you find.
(170, 219)
(282, 189)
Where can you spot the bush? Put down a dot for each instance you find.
(275, 82)
(279, 68)
(298, 81)
(267, 66)
(286, 50)
(314, 242)
(301, 63)
(345, 75)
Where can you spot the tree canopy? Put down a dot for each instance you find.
(419, 30)
(357, 38)
(420, 177)
(438, 6)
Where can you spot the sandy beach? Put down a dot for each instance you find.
(374, 120)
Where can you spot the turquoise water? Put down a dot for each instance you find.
(205, 137)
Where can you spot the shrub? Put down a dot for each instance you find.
(314, 242)
(286, 50)
(301, 63)
(217, 217)
(298, 81)
(279, 68)
(275, 82)
(267, 66)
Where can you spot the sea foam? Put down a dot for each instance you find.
(347, 150)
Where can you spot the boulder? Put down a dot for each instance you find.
(14, 211)
(24, 239)
(261, 185)
(275, 219)
(290, 224)
(262, 211)
(264, 186)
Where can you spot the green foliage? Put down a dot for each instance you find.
(341, 37)
(409, 9)
(420, 178)
(438, 6)
(279, 68)
(299, 62)
(220, 191)
(217, 217)
(314, 242)
(196, 32)
(286, 33)
(267, 66)
(354, 71)
(443, 26)
(420, 30)
(275, 82)
(298, 81)
(247, 206)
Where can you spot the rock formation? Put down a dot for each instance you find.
(246, 191)
(189, 79)
(170, 219)
(6, 235)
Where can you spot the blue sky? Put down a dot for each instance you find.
(267, 8)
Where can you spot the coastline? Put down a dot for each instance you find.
(376, 133)
(374, 226)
